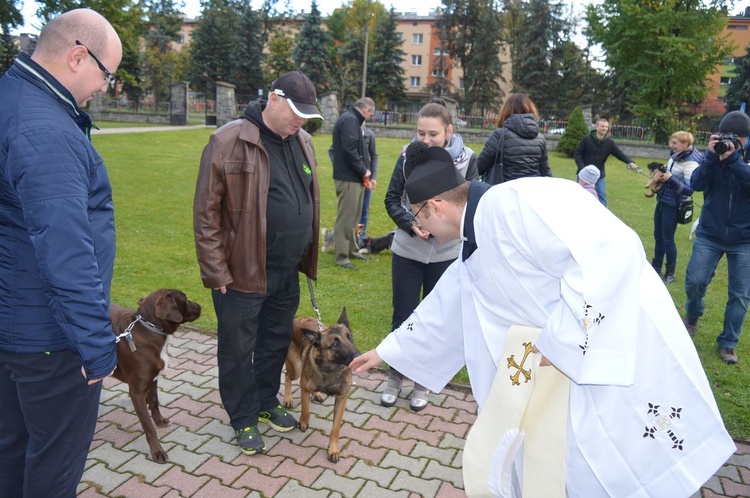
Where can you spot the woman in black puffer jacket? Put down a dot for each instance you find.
(516, 149)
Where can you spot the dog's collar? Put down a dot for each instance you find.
(147, 325)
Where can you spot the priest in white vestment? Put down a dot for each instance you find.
(541, 252)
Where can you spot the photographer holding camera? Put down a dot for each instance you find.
(724, 178)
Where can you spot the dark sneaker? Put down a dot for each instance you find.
(728, 355)
(278, 418)
(250, 441)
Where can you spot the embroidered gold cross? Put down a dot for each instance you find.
(519, 368)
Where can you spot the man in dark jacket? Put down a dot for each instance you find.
(350, 177)
(595, 149)
(57, 245)
(256, 218)
(724, 228)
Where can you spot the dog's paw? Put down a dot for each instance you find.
(333, 455)
(159, 456)
(303, 425)
(318, 397)
(288, 403)
(161, 421)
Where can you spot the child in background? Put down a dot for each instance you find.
(588, 177)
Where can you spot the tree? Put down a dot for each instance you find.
(541, 45)
(10, 17)
(663, 52)
(484, 67)
(279, 60)
(214, 40)
(247, 58)
(312, 52)
(159, 59)
(738, 92)
(574, 132)
(442, 66)
(472, 37)
(385, 74)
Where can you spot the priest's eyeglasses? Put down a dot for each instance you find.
(108, 78)
(414, 219)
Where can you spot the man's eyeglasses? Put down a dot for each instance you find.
(108, 78)
(414, 219)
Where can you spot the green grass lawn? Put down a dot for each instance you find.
(153, 177)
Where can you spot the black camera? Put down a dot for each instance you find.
(725, 141)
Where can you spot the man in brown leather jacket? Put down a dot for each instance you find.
(256, 217)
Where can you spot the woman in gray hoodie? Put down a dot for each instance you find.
(418, 259)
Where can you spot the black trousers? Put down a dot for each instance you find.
(254, 333)
(412, 281)
(48, 416)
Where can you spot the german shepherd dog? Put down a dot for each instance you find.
(320, 360)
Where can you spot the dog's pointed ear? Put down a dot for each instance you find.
(312, 335)
(343, 320)
(167, 309)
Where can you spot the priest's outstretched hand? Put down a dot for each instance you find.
(365, 361)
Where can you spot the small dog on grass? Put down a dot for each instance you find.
(368, 245)
(655, 184)
(320, 360)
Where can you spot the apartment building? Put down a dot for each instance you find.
(738, 30)
(423, 59)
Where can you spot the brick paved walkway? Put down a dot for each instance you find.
(386, 452)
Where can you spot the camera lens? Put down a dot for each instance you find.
(722, 146)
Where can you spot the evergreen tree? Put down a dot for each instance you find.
(663, 53)
(574, 132)
(348, 73)
(483, 92)
(384, 72)
(532, 65)
(8, 50)
(247, 58)
(472, 36)
(738, 92)
(312, 51)
(212, 45)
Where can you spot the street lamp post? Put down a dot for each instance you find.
(367, 46)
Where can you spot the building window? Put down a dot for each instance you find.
(442, 73)
(415, 81)
(181, 38)
(416, 38)
(461, 83)
(400, 36)
(725, 80)
(416, 60)
(437, 51)
(729, 61)
(738, 26)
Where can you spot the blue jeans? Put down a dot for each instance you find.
(364, 218)
(700, 271)
(665, 226)
(601, 190)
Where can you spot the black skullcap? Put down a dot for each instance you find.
(736, 122)
(429, 172)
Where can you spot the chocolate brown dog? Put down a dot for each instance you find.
(139, 353)
(320, 360)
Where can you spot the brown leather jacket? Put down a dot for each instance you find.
(229, 209)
